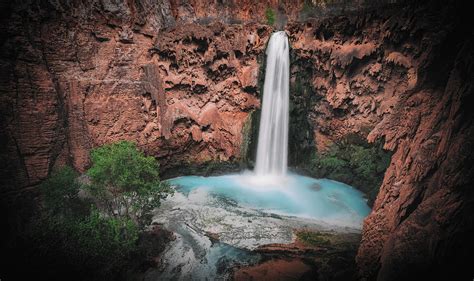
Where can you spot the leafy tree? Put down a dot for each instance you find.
(61, 193)
(270, 15)
(126, 182)
(355, 162)
(70, 236)
(92, 242)
(98, 238)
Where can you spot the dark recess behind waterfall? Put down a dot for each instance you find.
(23, 209)
(300, 136)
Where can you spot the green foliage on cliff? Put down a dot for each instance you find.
(355, 162)
(91, 242)
(311, 238)
(118, 233)
(270, 15)
(318, 8)
(72, 235)
(126, 182)
(96, 231)
(123, 167)
(60, 193)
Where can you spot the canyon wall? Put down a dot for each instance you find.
(73, 81)
(78, 74)
(181, 79)
(405, 76)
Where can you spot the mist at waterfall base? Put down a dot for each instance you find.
(324, 200)
(253, 208)
(269, 188)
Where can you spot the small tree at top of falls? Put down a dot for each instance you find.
(270, 15)
(126, 182)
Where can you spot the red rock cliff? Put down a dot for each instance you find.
(406, 76)
(76, 76)
(76, 80)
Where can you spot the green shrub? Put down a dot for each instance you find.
(354, 162)
(122, 166)
(92, 242)
(126, 182)
(88, 239)
(270, 15)
(117, 233)
(333, 163)
(71, 236)
(60, 193)
(313, 238)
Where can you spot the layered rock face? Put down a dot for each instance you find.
(406, 76)
(72, 81)
(208, 87)
(168, 76)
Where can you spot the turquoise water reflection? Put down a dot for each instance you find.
(293, 195)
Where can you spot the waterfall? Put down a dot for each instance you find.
(272, 150)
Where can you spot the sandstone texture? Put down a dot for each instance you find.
(181, 79)
(73, 81)
(404, 76)
(331, 257)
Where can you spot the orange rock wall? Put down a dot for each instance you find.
(405, 76)
(74, 76)
(72, 83)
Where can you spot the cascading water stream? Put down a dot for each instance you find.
(236, 207)
(272, 150)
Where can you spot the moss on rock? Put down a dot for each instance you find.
(355, 162)
(310, 238)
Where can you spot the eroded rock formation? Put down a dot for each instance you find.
(403, 75)
(170, 77)
(75, 81)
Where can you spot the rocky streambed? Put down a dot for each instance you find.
(217, 238)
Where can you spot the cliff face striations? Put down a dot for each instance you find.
(404, 76)
(181, 79)
(96, 74)
(421, 220)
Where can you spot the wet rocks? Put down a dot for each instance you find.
(77, 75)
(368, 86)
(332, 258)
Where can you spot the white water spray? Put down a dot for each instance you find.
(272, 150)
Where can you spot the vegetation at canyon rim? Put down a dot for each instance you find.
(404, 70)
(100, 232)
(270, 16)
(316, 8)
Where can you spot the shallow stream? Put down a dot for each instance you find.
(219, 220)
